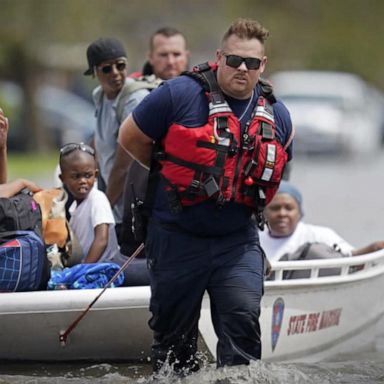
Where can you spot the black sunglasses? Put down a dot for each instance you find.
(120, 66)
(235, 61)
(70, 147)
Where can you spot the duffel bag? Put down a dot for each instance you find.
(23, 262)
(20, 213)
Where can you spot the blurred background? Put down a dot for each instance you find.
(48, 100)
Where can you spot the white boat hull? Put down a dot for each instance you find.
(302, 320)
(312, 319)
(114, 329)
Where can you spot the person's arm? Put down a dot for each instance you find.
(135, 142)
(376, 246)
(3, 147)
(122, 159)
(99, 243)
(118, 174)
(12, 188)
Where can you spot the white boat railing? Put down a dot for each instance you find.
(343, 269)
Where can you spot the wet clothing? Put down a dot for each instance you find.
(182, 267)
(204, 247)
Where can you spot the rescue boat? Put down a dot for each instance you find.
(305, 319)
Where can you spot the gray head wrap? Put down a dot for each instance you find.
(291, 190)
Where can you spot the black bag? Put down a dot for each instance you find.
(132, 232)
(312, 251)
(20, 213)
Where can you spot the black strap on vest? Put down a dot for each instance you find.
(205, 75)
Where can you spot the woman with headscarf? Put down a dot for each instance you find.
(286, 231)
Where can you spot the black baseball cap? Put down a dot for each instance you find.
(104, 48)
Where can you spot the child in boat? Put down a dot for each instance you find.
(286, 231)
(91, 215)
(92, 219)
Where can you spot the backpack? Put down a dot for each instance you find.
(20, 212)
(23, 262)
(136, 180)
(312, 251)
(133, 225)
(132, 85)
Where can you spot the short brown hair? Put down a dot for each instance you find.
(167, 32)
(246, 29)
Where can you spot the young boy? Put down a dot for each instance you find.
(91, 215)
(92, 219)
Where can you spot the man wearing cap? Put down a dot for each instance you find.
(107, 60)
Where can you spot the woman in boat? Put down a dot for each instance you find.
(286, 231)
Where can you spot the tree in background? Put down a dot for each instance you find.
(318, 34)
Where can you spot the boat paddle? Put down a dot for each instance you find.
(63, 336)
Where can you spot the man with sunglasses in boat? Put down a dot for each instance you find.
(216, 162)
(115, 98)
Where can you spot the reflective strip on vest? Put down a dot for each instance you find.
(261, 111)
(219, 108)
(270, 163)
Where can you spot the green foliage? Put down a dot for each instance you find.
(344, 35)
(33, 166)
(327, 34)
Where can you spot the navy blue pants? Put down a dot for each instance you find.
(182, 267)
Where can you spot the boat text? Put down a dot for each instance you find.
(312, 322)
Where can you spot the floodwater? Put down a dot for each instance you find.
(345, 194)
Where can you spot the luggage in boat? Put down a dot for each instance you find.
(20, 213)
(23, 262)
(312, 251)
(132, 232)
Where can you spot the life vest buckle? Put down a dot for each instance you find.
(210, 186)
(250, 167)
(174, 200)
(260, 220)
(220, 201)
(232, 150)
(193, 189)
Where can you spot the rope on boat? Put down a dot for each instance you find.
(63, 336)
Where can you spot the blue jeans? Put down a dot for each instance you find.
(182, 267)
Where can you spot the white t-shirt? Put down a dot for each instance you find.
(275, 247)
(93, 211)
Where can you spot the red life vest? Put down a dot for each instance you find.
(215, 161)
